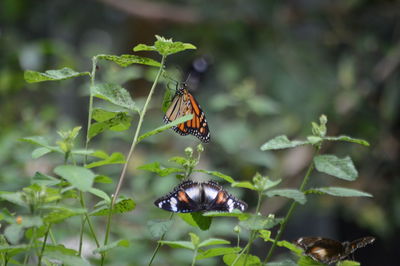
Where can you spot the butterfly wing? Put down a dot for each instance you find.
(322, 249)
(358, 243)
(217, 199)
(182, 104)
(182, 199)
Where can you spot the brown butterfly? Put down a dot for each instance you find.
(328, 250)
(183, 104)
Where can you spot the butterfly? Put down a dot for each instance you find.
(183, 103)
(192, 196)
(329, 251)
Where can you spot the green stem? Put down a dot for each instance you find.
(44, 245)
(90, 112)
(194, 257)
(159, 244)
(130, 154)
(53, 239)
(292, 208)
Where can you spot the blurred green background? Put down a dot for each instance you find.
(262, 68)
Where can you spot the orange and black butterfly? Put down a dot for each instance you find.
(183, 103)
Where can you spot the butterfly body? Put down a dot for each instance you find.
(329, 251)
(192, 196)
(183, 103)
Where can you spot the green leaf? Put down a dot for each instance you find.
(13, 197)
(258, 222)
(39, 152)
(158, 227)
(12, 250)
(282, 142)
(60, 74)
(214, 252)
(294, 194)
(292, 247)
(115, 158)
(307, 261)
(164, 46)
(79, 177)
(165, 127)
(213, 241)
(348, 263)
(338, 192)
(14, 233)
(265, 235)
(122, 205)
(62, 249)
(128, 59)
(179, 160)
(160, 170)
(194, 239)
(196, 219)
(119, 243)
(337, 167)
(67, 260)
(102, 115)
(250, 261)
(44, 180)
(120, 122)
(348, 139)
(244, 184)
(262, 183)
(217, 174)
(178, 244)
(59, 213)
(286, 262)
(115, 94)
(41, 141)
(100, 193)
(103, 179)
(235, 213)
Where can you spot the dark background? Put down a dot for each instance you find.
(262, 68)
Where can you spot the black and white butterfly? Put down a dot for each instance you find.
(329, 251)
(192, 196)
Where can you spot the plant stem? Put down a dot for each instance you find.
(90, 112)
(292, 207)
(194, 257)
(130, 154)
(159, 244)
(44, 245)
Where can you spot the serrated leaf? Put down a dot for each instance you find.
(100, 193)
(164, 46)
(165, 127)
(288, 193)
(282, 142)
(216, 174)
(101, 115)
(196, 219)
(160, 170)
(348, 139)
(338, 192)
(128, 59)
(59, 213)
(121, 206)
(337, 167)
(178, 244)
(235, 213)
(67, 260)
(114, 158)
(119, 243)
(115, 94)
(214, 252)
(258, 222)
(251, 260)
(120, 122)
(158, 227)
(213, 241)
(60, 74)
(79, 177)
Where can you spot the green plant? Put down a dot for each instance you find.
(51, 200)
